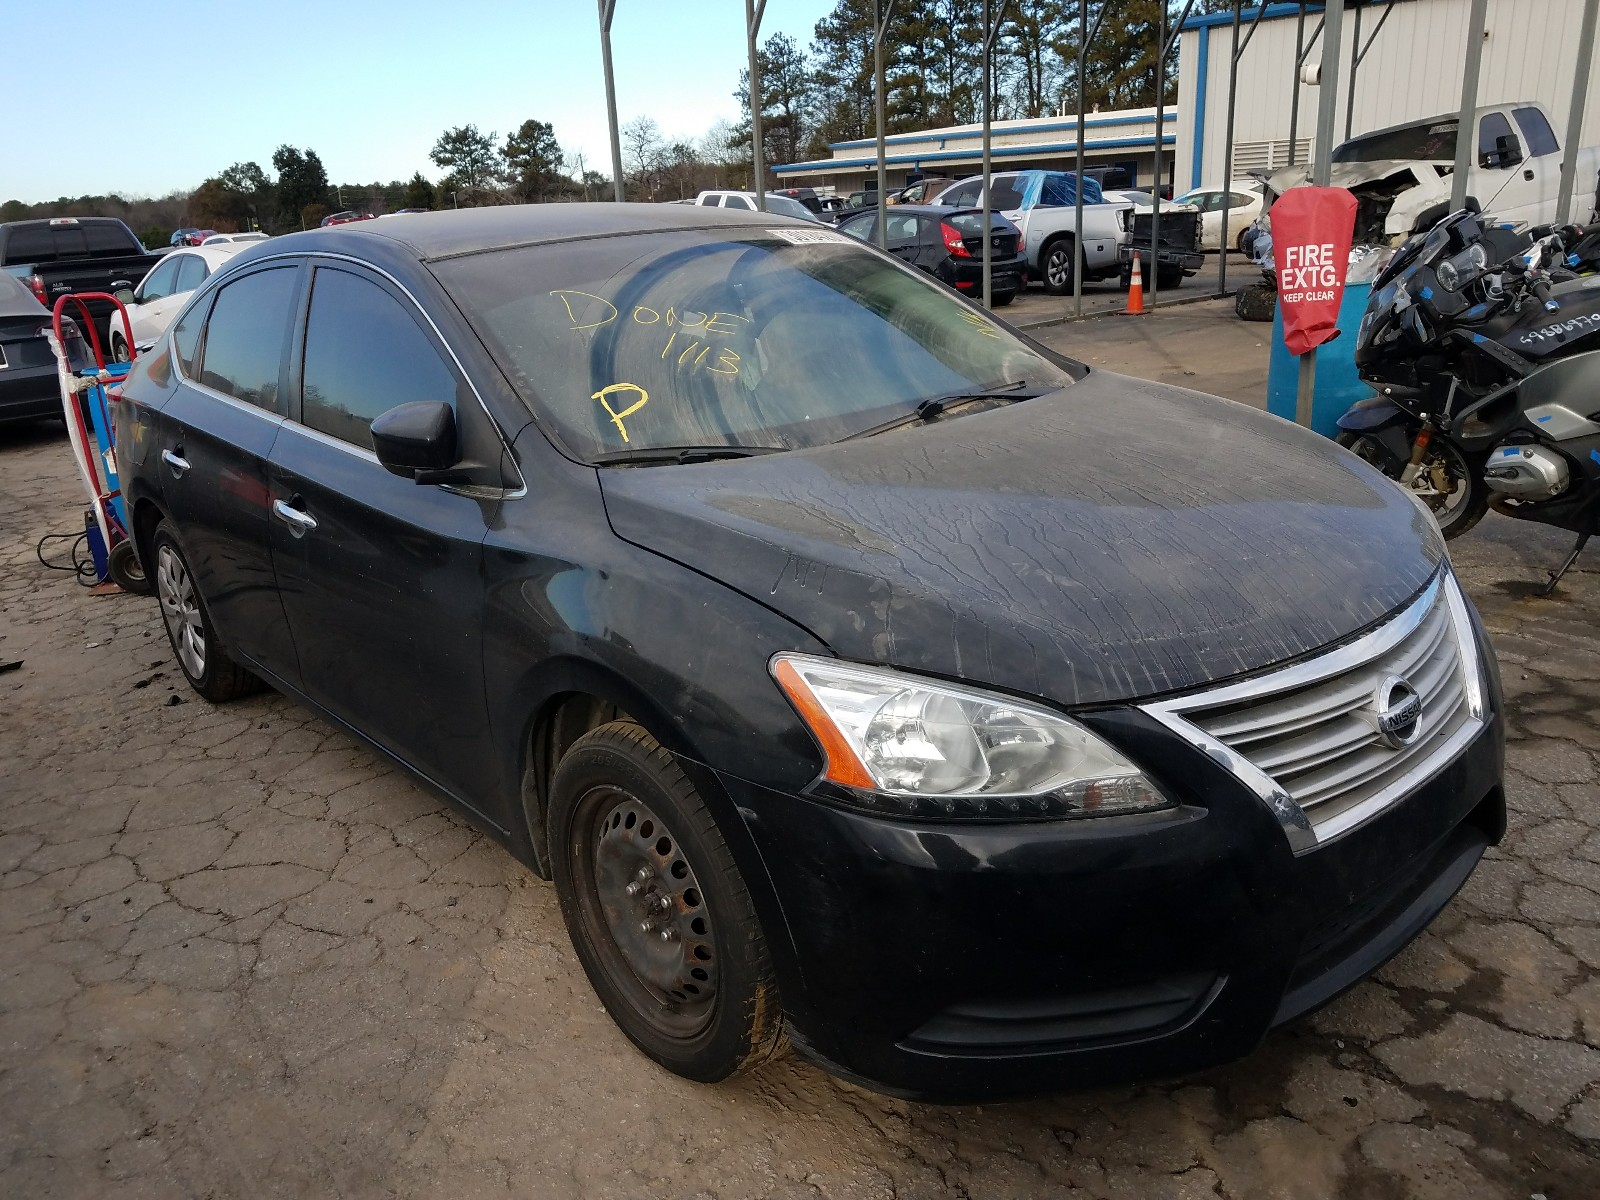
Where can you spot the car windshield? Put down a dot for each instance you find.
(788, 207)
(771, 339)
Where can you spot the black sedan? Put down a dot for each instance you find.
(947, 243)
(29, 387)
(868, 678)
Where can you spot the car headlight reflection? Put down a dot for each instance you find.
(908, 746)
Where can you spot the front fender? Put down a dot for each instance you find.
(1373, 414)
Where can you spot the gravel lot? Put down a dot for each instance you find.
(243, 957)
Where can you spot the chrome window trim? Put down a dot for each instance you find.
(470, 490)
(1292, 819)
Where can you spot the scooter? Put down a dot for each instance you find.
(1484, 349)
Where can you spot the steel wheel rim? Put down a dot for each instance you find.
(1056, 268)
(644, 906)
(180, 609)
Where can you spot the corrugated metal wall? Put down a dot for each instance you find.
(1412, 71)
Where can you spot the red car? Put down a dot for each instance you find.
(344, 218)
(195, 237)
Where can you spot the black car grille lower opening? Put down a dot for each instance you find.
(1358, 939)
(1106, 1015)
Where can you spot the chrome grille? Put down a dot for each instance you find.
(1306, 737)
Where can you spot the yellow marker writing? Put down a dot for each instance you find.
(616, 417)
(567, 293)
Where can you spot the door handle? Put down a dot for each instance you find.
(174, 458)
(1527, 173)
(298, 520)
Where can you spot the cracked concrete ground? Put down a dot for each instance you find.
(240, 956)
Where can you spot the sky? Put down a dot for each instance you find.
(368, 86)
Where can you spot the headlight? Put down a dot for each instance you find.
(908, 746)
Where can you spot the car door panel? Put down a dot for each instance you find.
(214, 447)
(384, 598)
(381, 578)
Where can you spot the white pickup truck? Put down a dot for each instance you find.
(1043, 205)
(1401, 176)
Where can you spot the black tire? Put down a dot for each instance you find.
(201, 658)
(119, 349)
(1169, 278)
(1258, 302)
(703, 1002)
(1239, 243)
(1457, 514)
(126, 571)
(1001, 299)
(1056, 266)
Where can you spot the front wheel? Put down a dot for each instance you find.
(119, 349)
(1450, 483)
(656, 909)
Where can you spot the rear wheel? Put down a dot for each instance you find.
(1169, 277)
(1001, 299)
(1059, 262)
(1449, 482)
(205, 664)
(656, 909)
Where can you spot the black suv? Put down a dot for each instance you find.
(867, 677)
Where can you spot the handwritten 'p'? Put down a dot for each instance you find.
(616, 417)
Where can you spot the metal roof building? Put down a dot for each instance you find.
(1410, 69)
(1125, 138)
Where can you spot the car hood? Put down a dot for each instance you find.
(1117, 539)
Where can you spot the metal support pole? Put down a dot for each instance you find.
(1580, 94)
(1161, 150)
(1077, 221)
(1467, 123)
(607, 9)
(1321, 169)
(1227, 152)
(882, 10)
(754, 10)
(1355, 61)
(1294, 81)
(991, 26)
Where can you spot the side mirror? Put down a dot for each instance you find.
(1507, 152)
(126, 296)
(418, 441)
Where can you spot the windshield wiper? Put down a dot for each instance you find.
(679, 454)
(935, 406)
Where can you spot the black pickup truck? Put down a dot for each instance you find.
(58, 255)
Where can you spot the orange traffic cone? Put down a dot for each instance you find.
(1135, 291)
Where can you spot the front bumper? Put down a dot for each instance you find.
(1166, 256)
(981, 962)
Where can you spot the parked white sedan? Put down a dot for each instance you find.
(1242, 202)
(222, 239)
(165, 289)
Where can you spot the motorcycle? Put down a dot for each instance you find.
(1483, 345)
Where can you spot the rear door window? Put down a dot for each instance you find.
(736, 202)
(965, 194)
(242, 354)
(1537, 137)
(191, 273)
(365, 354)
(902, 229)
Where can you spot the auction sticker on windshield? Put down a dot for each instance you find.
(806, 237)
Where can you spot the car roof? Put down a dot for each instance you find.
(212, 255)
(454, 232)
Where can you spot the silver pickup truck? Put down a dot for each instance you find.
(1043, 204)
